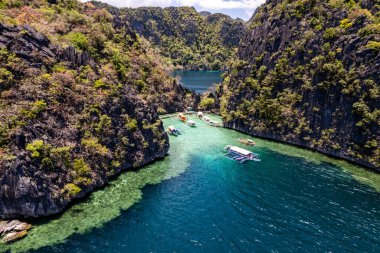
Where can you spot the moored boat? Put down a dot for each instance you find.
(182, 117)
(214, 123)
(247, 142)
(200, 115)
(173, 131)
(240, 155)
(192, 123)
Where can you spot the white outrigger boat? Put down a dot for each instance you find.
(191, 123)
(174, 131)
(240, 155)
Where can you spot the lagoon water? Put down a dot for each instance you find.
(196, 200)
(199, 81)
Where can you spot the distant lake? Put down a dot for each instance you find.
(199, 81)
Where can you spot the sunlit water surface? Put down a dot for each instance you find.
(196, 200)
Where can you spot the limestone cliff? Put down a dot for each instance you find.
(308, 74)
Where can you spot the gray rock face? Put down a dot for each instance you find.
(35, 48)
(77, 58)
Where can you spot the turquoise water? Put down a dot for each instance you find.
(195, 200)
(199, 81)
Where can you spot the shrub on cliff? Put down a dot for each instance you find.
(37, 148)
(207, 103)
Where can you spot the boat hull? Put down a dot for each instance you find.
(241, 157)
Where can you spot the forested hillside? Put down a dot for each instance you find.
(186, 38)
(79, 94)
(308, 74)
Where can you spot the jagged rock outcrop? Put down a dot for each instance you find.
(308, 74)
(33, 47)
(25, 41)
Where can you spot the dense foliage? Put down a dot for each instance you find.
(186, 38)
(308, 74)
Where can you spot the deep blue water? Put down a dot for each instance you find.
(199, 81)
(282, 204)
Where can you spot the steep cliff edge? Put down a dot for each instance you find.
(308, 74)
(76, 104)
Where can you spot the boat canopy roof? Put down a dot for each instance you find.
(171, 128)
(240, 150)
(191, 122)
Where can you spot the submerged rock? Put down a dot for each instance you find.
(11, 231)
(14, 236)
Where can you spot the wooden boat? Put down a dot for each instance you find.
(173, 131)
(192, 123)
(214, 123)
(247, 142)
(182, 117)
(240, 155)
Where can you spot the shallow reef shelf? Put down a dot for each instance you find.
(196, 174)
